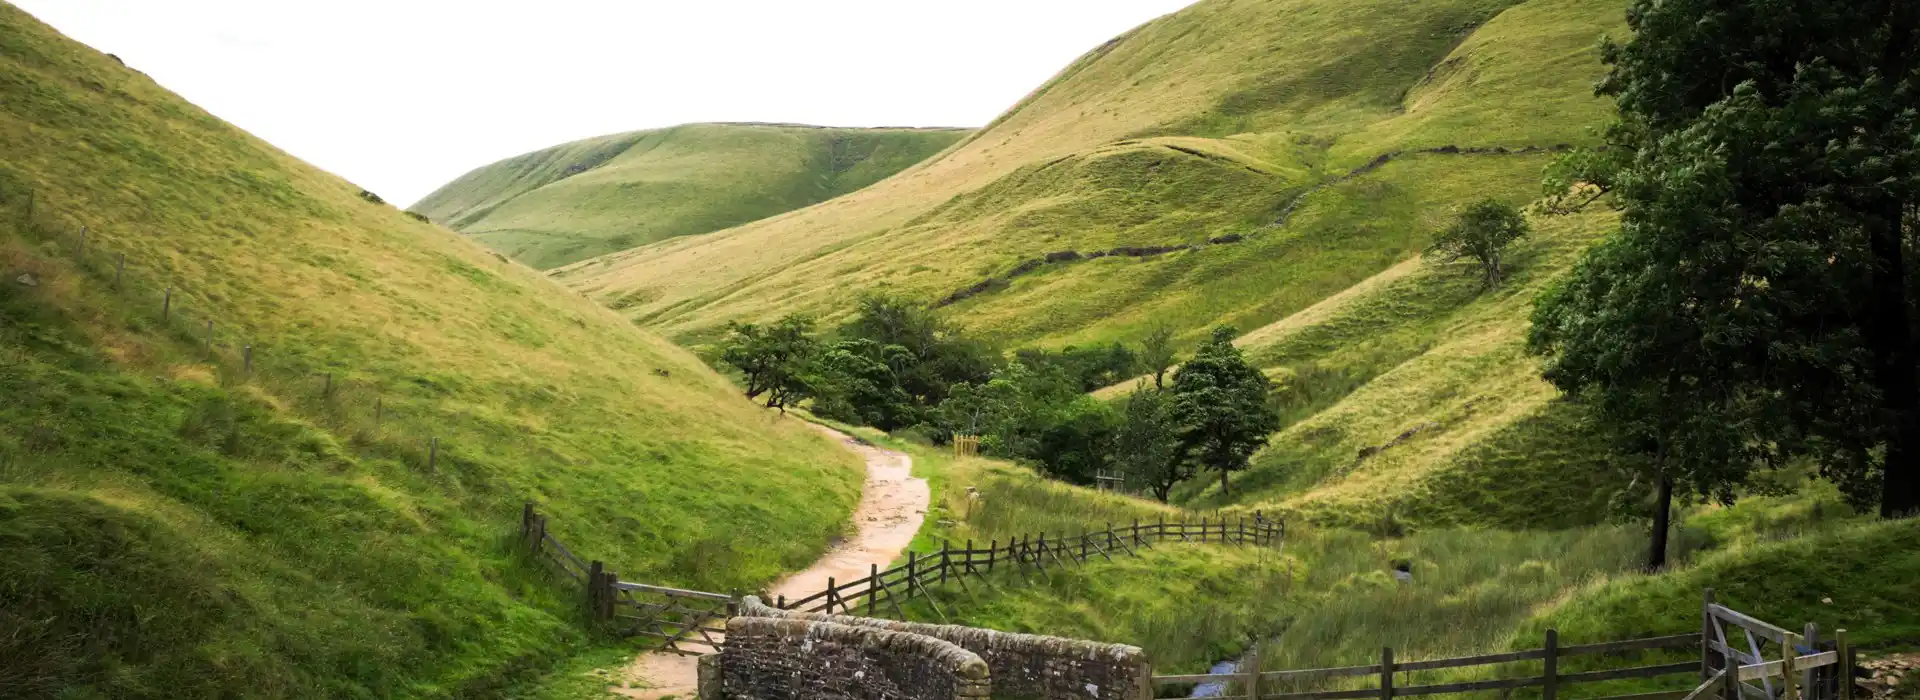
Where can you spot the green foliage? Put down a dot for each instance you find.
(1483, 233)
(853, 381)
(775, 359)
(1755, 304)
(1222, 406)
(1157, 354)
(1146, 447)
(937, 354)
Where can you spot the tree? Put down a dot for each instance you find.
(1766, 234)
(1156, 352)
(852, 381)
(1147, 445)
(1222, 406)
(1482, 233)
(937, 355)
(772, 358)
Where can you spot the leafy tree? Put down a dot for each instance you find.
(937, 355)
(853, 381)
(1146, 447)
(1156, 353)
(1765, 241)
(1089, 368)
(1222, 406)
(1482, 233)
(772, 358)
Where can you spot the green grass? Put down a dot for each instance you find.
(578, 200)
(176, 527)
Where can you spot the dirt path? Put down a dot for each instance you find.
(891, 508)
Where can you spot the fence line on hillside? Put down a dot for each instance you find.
(1806, 668)
(677, 615)
(235, 355)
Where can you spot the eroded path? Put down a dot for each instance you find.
(892, 506)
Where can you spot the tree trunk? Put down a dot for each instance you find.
(1225, 490)
(1890, 333)
(1662, 522)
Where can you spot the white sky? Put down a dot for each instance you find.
(401, 96)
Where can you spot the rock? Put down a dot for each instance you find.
(26, 279)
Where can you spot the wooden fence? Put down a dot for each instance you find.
(684, 619)
(1801, 672)
(966, 445)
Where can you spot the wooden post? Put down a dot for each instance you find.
(1811, 634)
(1136, 532)
(166, 304)
(379, 412)
(246, 359)
(433, 453)
(946, 560)
(539, 532)
(992, 551)
(831, 595)
(120, 271)
(1083, 545)
(80, 250)
(30, 197)
(1553, 665)
(1845, 667)
(1223, 531)
(733, 603)
(1788, 684)
(781, 603)
(913, 577)
(1203, 530)
(326, 385)
(873, 588)
(1161, 531)
(526, 521)
(1709, 663)
(1386, 673)
(969, 560)
(1251, 667)
(593, 587)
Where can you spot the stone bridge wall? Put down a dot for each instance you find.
(1021, 665)
(771, 658)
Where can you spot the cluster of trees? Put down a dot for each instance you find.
(1756, 307)
(896, 365)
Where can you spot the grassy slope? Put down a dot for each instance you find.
(1203, 123)
(172, 527)
(578, 200)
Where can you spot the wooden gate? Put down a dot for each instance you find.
(692, 623)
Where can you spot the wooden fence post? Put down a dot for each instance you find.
(1386, 673)
(733, 603)
(1788, 683)
(246, 359)
(946, 560)
(1811, 634)
(593, 587)
(166, 305)
(1083, 545)
(913, 577)
(1552, 672)
(1136, 532)
(80, 250)
(526, 521)
(831, 595)
(433, 453)
(1203, 530)
(873, 589)
(993, 551)
(1845, 652)
(120, 271)
(379, 413)
(1251, 666)
(1709, 663)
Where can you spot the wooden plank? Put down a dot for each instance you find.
(1678, 641)
(1656, 695)
(1196, 678)
(563, 550)
(1773, 668)
(697, 595)
(1635, 672)
(1470, 686)
(1314, 673)
(1752, 624)
(1709, 689)
(1730, 652)
(1481, 660)
(1326, 695)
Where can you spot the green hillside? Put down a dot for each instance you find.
(578, 200)
(1277, 165)
(176, 524)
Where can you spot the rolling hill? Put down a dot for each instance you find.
(1277, 165)
(262, 437)
(578, 200)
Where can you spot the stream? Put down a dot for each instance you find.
(1216, 689)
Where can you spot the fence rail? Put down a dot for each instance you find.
(681, 617)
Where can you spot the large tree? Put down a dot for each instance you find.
(1146, 447)
(1766, 236)
(1223, 406)
(772, 358)
(1482, 233)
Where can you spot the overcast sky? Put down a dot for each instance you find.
(401, 96)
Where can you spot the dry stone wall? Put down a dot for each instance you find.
(1020, 665)
(770, 658)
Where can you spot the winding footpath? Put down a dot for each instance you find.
(892, 506)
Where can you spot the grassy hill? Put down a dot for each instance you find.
(578, 200)
(1273, 164)
(176, 523)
